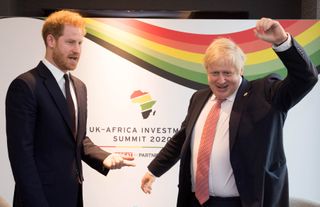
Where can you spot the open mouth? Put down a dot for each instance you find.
(222, 87)
(73, 59)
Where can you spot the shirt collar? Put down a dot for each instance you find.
(56, 72)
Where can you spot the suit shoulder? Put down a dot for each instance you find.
(202, 91)
(29, 78)
(79, 85)
(77, 80)
(266, 80)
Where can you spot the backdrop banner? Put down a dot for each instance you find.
(140, 75)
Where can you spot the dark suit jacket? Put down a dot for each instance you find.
(256, 121)
(45, 156)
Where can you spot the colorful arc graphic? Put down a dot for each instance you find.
(177, 56)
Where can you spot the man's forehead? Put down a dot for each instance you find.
(222, 68)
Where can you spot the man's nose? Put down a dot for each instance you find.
(221, 78)
(77, 48)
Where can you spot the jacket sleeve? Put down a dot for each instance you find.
(170, 153)
(90, 153)
(94, 156)
(301, 78)
(21, 110)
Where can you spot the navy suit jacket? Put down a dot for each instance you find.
(256, 141)
(44, 154)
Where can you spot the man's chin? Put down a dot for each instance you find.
(220, 94)
(72, 67)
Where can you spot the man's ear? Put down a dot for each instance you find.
(241, 71)
(51, 40)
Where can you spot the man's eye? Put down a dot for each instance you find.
(227, 74)
(70, 42)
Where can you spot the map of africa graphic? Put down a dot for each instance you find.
(145, 101)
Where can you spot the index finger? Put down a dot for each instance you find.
(264, 24)
(128, 163)
(127, 158)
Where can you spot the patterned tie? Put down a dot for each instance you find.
(204, 153)
(70, 104)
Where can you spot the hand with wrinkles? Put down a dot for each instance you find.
(115, 161)
(270, 31)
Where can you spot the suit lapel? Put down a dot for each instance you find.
(240, 101)
(198, 103)
(237, 109)
(81, 101)
(196, 106)
(55, 92)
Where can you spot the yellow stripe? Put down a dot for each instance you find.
(142, 99)
(309, 35)
(260, 56)
(124, 40)
(303, 38)
(113, 34)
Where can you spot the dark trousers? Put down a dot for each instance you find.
(218, 202)
(80, 198)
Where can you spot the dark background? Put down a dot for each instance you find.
(214, 9)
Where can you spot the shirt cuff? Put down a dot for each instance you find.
(284, 46)
(148, 171)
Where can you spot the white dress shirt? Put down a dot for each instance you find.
(58, 75)
(221, 178)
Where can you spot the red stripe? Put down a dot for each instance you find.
(199, 39)
(154, 37)
(198, 43)
(294, 29)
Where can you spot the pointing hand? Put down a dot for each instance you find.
(115, 161)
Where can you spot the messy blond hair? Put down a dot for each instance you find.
(55, 22)
(224, 52)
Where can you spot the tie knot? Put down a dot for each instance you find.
(66, 77)
(219, 101)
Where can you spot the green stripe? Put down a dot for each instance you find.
(196, 72)
(171, 60)
(263, 68)
(315, 58)
(173, 69)
(313, 46)
(163, 57)
(282, 72)
(311, 49)
(147, 106)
